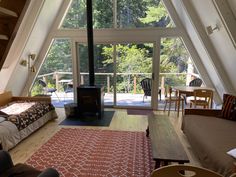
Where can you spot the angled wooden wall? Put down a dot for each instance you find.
(11, 12)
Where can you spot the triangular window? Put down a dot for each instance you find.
(119, 14)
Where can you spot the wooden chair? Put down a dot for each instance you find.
(195, 82)
(172, 96)
(202, 97)
(184, 171)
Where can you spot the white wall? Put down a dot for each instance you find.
(233, 6)
(220, 39)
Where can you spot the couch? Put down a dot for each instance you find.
(211, 137)
(21, 116)
(8, 169)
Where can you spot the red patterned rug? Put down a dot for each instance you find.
(89, 152)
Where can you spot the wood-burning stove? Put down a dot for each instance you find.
(90, 101)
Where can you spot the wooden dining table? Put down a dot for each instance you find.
(188, 91)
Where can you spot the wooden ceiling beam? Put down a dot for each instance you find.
(3, 37)
(7, 12)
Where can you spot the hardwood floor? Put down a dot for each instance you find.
(121, 121)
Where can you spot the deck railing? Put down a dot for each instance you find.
(58, 75)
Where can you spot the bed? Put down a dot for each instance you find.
(21, 116)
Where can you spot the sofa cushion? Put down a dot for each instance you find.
(211, 138)
(228, 108)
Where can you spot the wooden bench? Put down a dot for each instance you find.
(165, 143)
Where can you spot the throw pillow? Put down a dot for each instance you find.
(228, 108)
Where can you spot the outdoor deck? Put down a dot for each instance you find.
(123, 99)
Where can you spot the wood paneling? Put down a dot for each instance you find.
(11, 12)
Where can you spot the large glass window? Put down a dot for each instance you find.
(119, 14)
(142, 13)
(176, 67)
(56, 72)
(102, 14)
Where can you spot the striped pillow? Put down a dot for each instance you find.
(228, 108)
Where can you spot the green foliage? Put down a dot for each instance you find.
(130, 59)
(174, 49)
(76, 15)
(103, 13)
(157, 15)
(58, 58)
(83, 55)
(130, 14)
(166, 66)
(37, 89)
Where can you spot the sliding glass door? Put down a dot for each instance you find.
(133, 64)
(120, 68)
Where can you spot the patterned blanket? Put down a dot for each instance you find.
(23, 114)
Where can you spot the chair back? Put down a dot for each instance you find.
(169, 92)
(203, 94)
(195, 82)
(183, 171)
(68, 88)
(42, 83)
(146, 85)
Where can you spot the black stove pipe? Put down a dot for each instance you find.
(90, 42)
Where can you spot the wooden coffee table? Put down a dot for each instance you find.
(165, 143)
